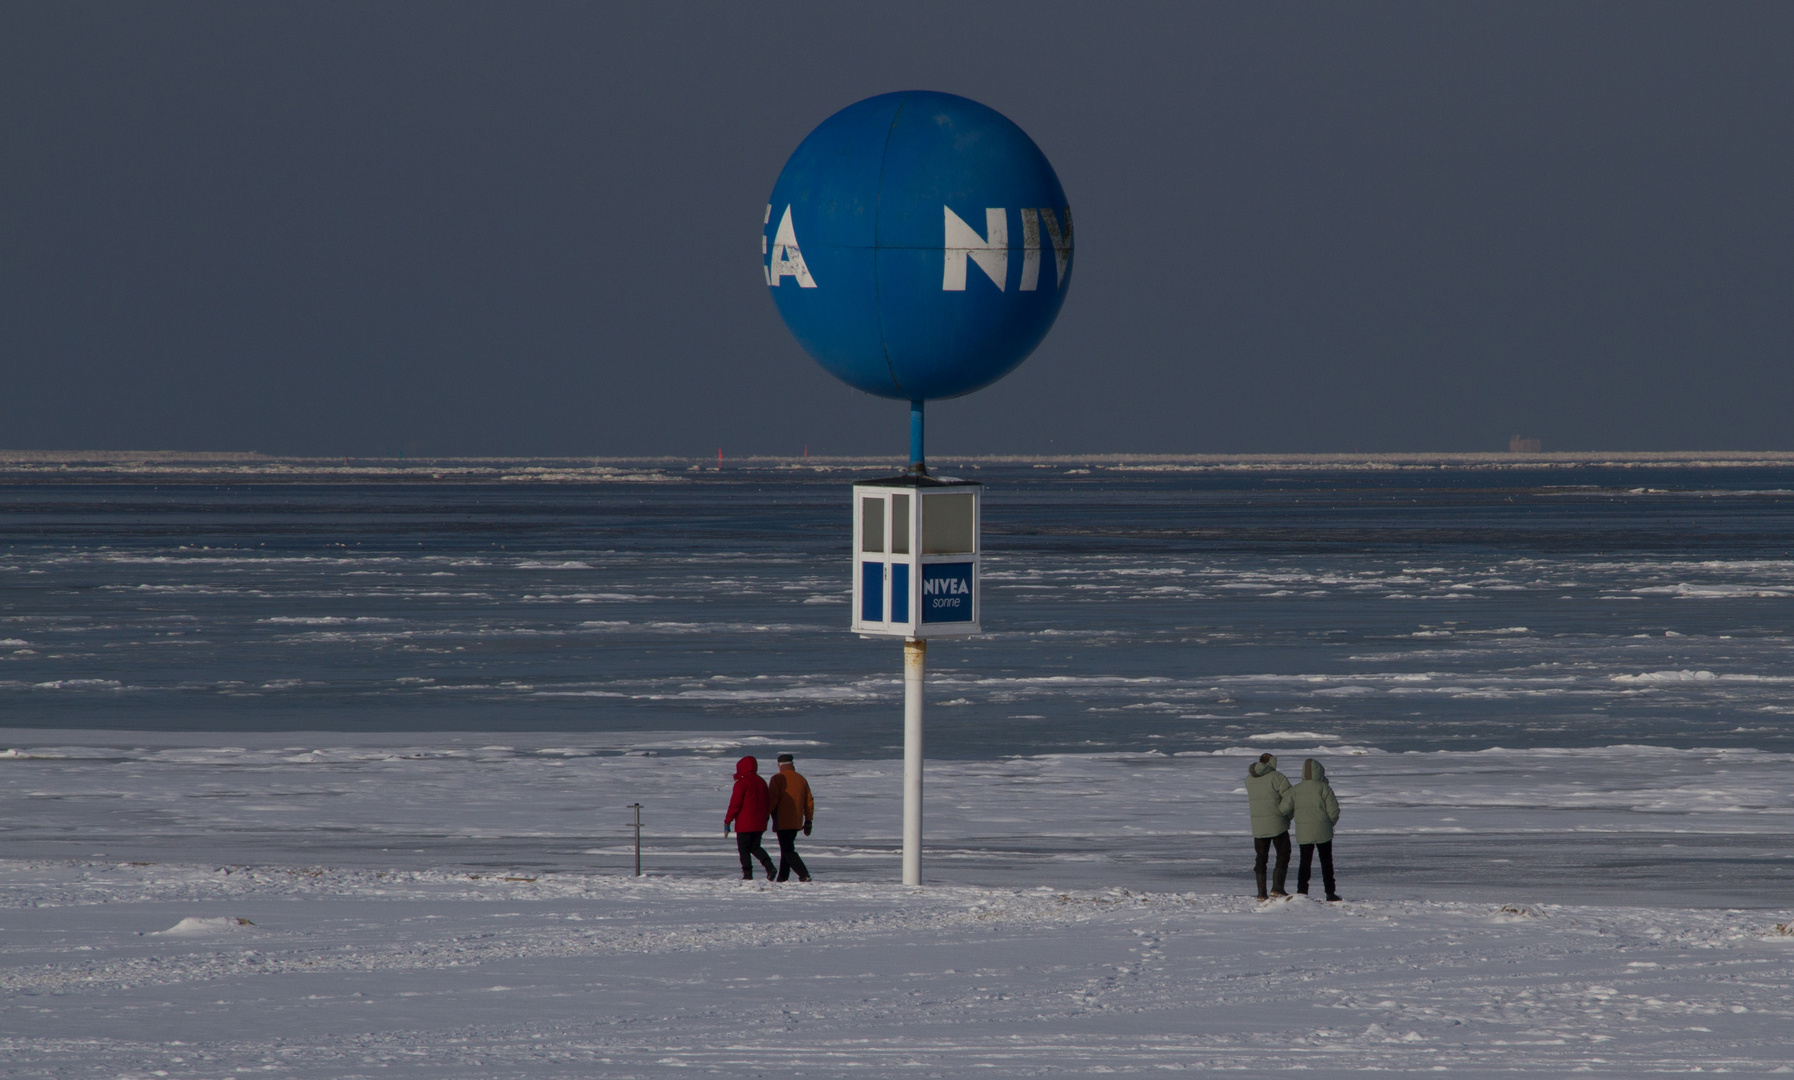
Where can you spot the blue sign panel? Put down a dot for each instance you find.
(947, 592)
(918, 245)
(872, 592)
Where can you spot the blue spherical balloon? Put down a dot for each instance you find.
(918, 245)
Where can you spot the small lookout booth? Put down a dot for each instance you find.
(916, 555)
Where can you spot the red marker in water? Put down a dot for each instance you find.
(719, 457)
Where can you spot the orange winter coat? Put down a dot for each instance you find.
(789, 794)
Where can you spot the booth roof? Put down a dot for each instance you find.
(918, 481)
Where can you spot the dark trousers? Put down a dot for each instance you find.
(748, 844)
(1326, 867)
(788, 860)
(1263, 844)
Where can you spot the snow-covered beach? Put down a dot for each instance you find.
(335, 905)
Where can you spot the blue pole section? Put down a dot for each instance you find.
(915, 438)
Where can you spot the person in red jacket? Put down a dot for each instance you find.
(747, 809)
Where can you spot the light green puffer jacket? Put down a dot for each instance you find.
(1312, 804)
(1266, 791)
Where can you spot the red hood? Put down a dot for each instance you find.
(747, 766)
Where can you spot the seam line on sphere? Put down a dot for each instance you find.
(878, 210)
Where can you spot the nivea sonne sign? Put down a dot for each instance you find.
(947, 592)
(918, 245)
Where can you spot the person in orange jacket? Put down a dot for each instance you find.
(793, 807)
(748, 809)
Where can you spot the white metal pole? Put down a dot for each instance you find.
(915, 651)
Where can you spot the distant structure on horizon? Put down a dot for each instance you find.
(1518, 445)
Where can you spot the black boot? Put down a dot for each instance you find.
(1262, 895)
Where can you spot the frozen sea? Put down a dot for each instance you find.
(1405, 609)
(329, 779)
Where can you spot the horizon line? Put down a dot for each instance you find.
(409, 463)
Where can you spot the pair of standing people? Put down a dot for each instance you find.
(1274, 803)
(786, 802)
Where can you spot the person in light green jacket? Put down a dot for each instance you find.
(1266, 791)
(1316, 810)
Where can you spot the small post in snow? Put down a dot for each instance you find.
(637, 807)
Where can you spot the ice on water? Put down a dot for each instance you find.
(1128, 611)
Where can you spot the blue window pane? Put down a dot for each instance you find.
(900, 592)
(872, 592)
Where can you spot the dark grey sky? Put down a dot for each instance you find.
(534, 228)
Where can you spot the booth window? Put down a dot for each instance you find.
(872, 524)
(947, 524)
(900, 524)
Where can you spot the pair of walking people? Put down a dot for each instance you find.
(785, 803)
(1274, 803)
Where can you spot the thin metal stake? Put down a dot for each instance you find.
(637, 807)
